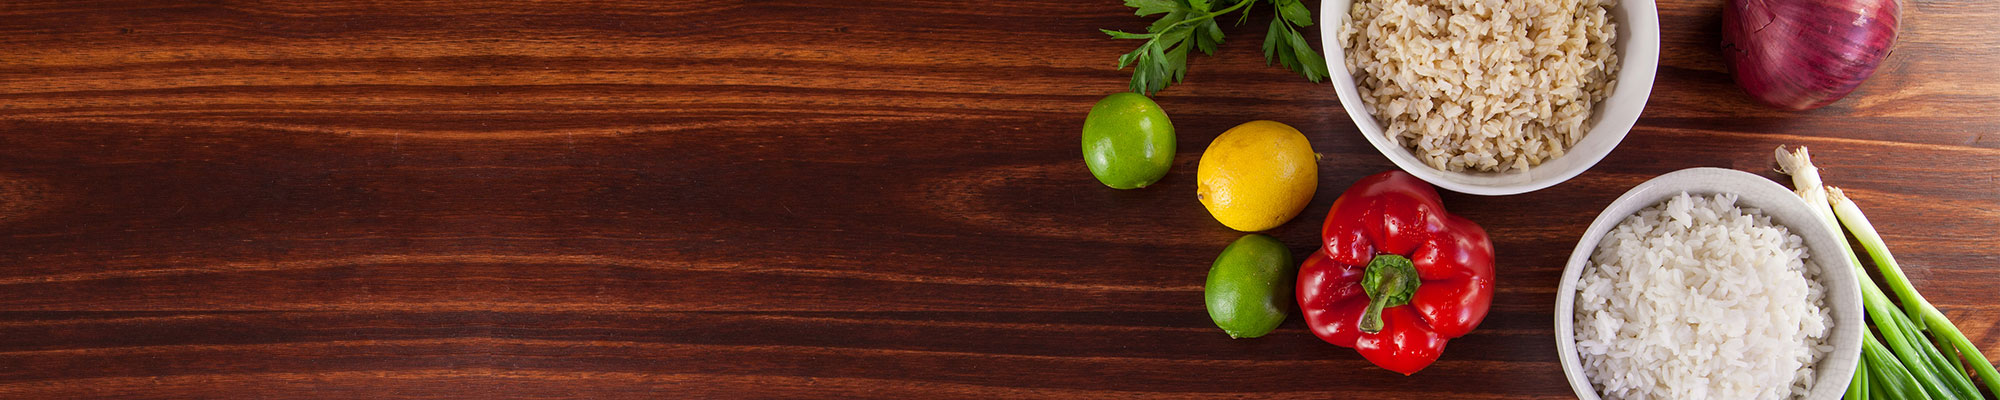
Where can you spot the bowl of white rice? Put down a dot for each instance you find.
(1492, 97)
(1709, 283)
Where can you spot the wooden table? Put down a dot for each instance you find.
(358, 199)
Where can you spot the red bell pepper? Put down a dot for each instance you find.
(1398, 276)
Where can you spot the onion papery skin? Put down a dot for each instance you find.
(1804, 54)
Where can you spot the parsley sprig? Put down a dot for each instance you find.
(1162, 60)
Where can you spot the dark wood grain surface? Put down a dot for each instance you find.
(472, 199)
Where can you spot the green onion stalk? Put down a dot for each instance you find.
(1897, 381)
(1858, 388)
(1885, 376)
(1901, 365)
(1950, 340)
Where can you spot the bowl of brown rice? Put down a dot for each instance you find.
(1492, 97)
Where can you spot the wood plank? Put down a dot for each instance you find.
(453, 199)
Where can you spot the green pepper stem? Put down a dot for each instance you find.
(1390, 281)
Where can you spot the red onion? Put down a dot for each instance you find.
(1803, 54)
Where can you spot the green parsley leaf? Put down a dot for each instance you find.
(1294, 12)
(1314, 65)
(1185, 26)
(1150, 7)
(1169, 21)
(1177, 59)
(1198, 5)
(1274, 39)
(1207, 36)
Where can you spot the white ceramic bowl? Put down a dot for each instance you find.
(1639, 47)
(1843, 295)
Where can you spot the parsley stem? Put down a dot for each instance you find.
(1209, 16)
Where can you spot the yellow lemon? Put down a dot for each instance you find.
(1257, 175)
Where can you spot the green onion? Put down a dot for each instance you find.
(1892, 378)
(1858, 388)
(1895, 381)
(1902, 364)
(1914, 303)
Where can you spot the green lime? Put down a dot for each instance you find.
(1127, 141)
(1250, 286)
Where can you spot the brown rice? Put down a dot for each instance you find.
(1483, 85)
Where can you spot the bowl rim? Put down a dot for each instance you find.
(1843, 296)
(1640, 58)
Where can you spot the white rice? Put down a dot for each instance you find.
(1485, 85)
(1695, 298)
